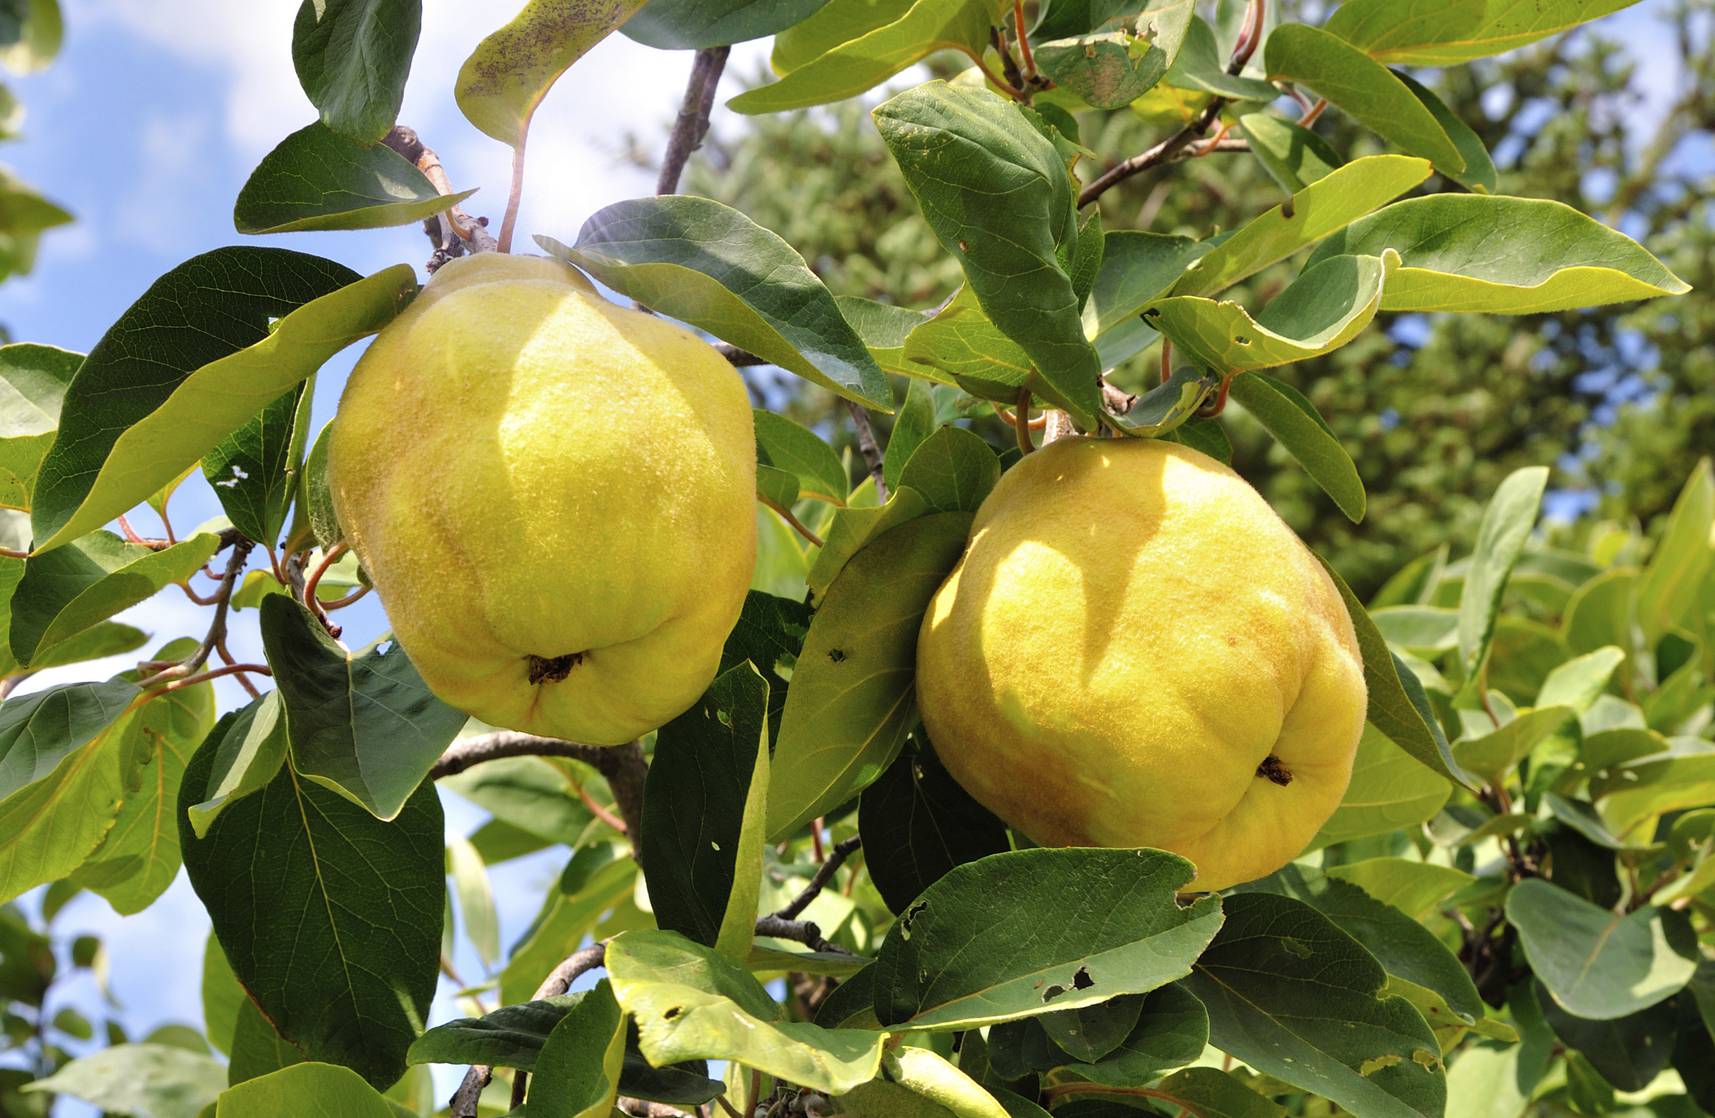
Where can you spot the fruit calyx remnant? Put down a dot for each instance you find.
(544, 669)
(1272, 768)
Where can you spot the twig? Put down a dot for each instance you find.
(693, 120)
(868, 447)
(600, 812)
(623, 766)
(824, 874)
(13, 553)
(791, 519)
(805, 932)
(217, 628)
(12, 683)
(329, 558)
(453, 232)
(216, 673)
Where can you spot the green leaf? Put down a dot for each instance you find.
(930, 1076)
(1324, 207)
(1292, 155)
(709, 265)
(1398, 706)
(352, 58)
(475, 898)
(254, 470)
(998, 195)
(139, 858)
(1628, 1051)
(509, 72)
(160, 1080)
(1136, 268)
(66, 592)
(914, 422)
(1390, 791)
(1171, 1031)
(317, 178)
(1212, 1093)
(961, 345)
(883, 328)
(1404, 947)
(691, 1003)
(577, 1071)
(1169, 406)
(770, 634)
(24, 216)
(538, 795)
(974, 950)
(337, 1092)
(695, 24)
(788, 445)
(302, 939)
(1295, 997)
(363, 725)
(1111, 68)
(204, 349)
(703, 812)
(314, 499)
(1667, 589)
(1202, 65)
(849, 67)
(37, 41)
(1095, 1031)
(221, 997)
(855, 527)
(1485, 254)
(1363, 88)
(918, 824)
(1655, 783)
(1295, 423)
(33, 381)
(1493, 755)
(1506, 525)
(1415, 888)
(851, 703)
(249, 747)
(1600, 964)
(1479, 172)
(1456, 31)
(953, 469)
(62, 778)
(1323, 309)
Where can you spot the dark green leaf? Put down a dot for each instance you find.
(254, 470)
(302, 938)
(1457, 30)
(1202, 65)
(1507, 524)
(1114, 66)
(317, 178)
(352, 58)
(997, 193)
(1294, 997)
(973, 949)
(1629, 1051)
(912, 424)
(577, 1071)
(709, 265)
(1600, 964)
(917, 824)
(1171, 1031)
(249, 747)
(703, 814)
(953, 469)
(789, 446)
(695, 24)
(1479, 172)
(1092, 1033)
(1293, 156)
(365, 724)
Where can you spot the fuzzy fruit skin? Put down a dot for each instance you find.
(526, 469)
(1131, 632)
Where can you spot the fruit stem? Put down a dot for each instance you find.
(1021, 421)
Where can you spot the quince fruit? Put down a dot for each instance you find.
(1135, 650)
(554, 497)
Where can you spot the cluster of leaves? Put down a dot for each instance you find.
(954, 970)
(30, 35)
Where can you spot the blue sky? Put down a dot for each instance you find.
(146, 128)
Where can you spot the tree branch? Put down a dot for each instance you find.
(623, 766)
(799, 931)
(867, 445)
(824, 874)
(453, 232)
(693, 121)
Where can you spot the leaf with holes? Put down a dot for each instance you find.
(973, 949)
(709, 265)
(364, 725)
(301, 939)
(1487, 254)
(1295, 997)
(1111, 67)
(692, 1003)
(318, 179)
(851, 703)
(204, 349)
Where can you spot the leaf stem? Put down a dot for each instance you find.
(1023, 39)
(516, 195)
(1021, 421)
(787, 515)
(824, 873)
